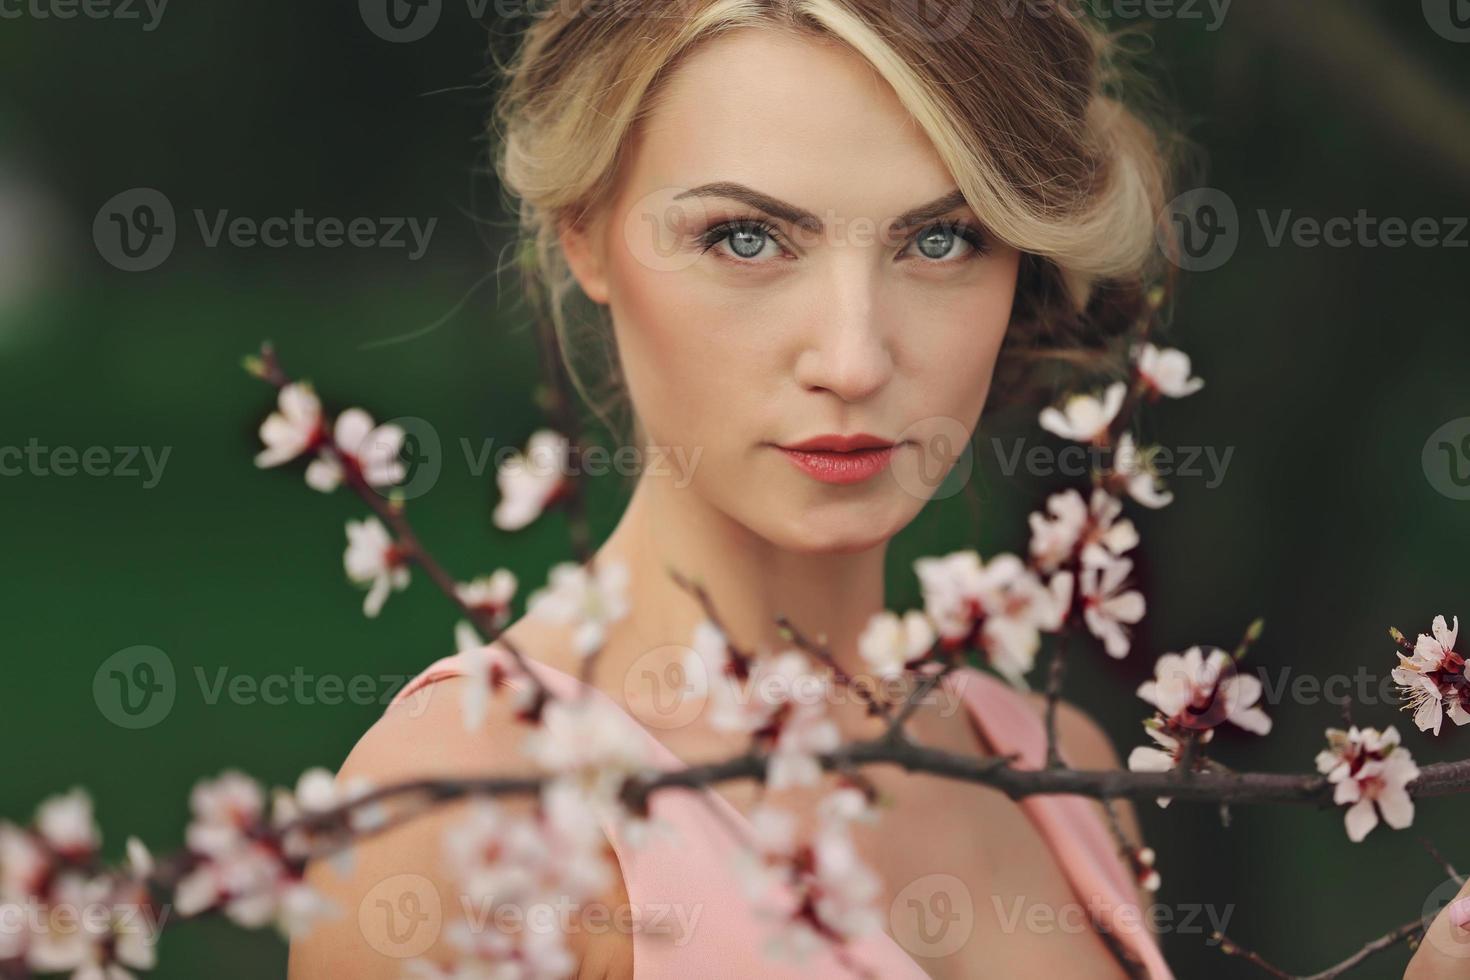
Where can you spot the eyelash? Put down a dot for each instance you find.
(959, 227)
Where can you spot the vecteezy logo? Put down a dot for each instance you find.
(1446, 459)
(935, 20)
(422, 456)
(667, 687)
(400, 21)
(935, 458)
(1449, 18)
(400, 916)
(135, 688)
(933, 916)
(135, 230)
(1452, 943)
(1199, 231)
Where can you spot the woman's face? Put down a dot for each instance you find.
(763, 292)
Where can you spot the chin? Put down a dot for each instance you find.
(846, 534)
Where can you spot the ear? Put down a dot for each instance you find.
(581, 243)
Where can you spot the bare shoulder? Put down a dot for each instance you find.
(1085, 745)
(396, 898)
(1083, 740)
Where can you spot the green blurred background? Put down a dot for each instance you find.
(1328, 369)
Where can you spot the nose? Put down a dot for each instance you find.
(848, 351)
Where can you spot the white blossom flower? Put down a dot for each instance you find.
(293, 428)
(372, 450)
(1168, 754)
(490, 594)
(1137, 472)
(529, 482)
(1194, 691)
(1166, 371)
(1370, 770)
(1001, 605)
(1107, 607)
(372, 559)
(708, 656)
(101, 934)
(591, 601)
(831, 895)
(1433, 680)
(241, 872)
(1071, 526)
(66, 823)
(589, 738)
(1085, 418)
(225, 810)
(25, 864)
(889, 643)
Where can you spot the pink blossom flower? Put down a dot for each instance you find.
(1108, 607)
(1085, 418)
(1369, 769)
(373, 559)
(529, 483)
(1196, 692)
(293, 428)
(371, 451)
(1165, 371)
(1433, 680)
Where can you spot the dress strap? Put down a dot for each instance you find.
(1084, 845)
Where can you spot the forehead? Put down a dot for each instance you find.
(802, 118)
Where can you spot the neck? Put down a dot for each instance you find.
(750, 581)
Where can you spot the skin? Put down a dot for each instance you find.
(848, 329)
(1444, 954)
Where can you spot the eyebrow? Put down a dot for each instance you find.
(790, 213)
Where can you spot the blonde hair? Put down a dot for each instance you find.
(1021, 104)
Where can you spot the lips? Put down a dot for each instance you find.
(840, 443)
(841, 459)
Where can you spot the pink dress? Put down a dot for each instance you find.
(670, 880)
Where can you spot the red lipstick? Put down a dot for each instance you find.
(840, 459)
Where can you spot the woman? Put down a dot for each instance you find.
(820, 235)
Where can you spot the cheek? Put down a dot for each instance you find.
(955, 354)
(690, 362)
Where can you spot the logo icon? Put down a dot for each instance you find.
(935, 20)
(933, 916)
(937, 459)
(666, 687)
(400, 21)
(1454, 943)
(135, 688)
(401, 916)
(1446, 459)
(422, 456)
(1450, 19)
(1199, 231)
(135, 231)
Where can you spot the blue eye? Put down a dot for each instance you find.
(747, 237)
(936, 241)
